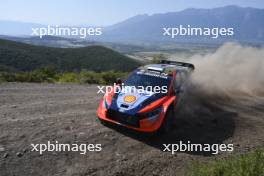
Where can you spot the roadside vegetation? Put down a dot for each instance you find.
(50, 75)
(21, 62)
(251, 164)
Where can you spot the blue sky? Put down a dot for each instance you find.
(101, 12)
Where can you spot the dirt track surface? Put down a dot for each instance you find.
(37, 113)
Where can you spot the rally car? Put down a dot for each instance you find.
(146, 110)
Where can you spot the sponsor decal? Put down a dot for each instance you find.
(129, 98)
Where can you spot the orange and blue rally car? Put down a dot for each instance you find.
(146, 101)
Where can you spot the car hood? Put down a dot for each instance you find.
(131, 102)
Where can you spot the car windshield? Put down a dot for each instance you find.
(141, 79)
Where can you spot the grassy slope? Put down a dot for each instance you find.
(251, 164)
(24, 57)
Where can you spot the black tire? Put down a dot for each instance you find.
(167, 123)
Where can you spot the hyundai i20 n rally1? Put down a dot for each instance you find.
(147, 100)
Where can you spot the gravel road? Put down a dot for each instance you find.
(37, 113)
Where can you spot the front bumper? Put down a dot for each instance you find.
(132, 122)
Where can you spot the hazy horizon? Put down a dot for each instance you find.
(101, 13)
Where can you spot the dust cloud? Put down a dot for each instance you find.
(232, 68)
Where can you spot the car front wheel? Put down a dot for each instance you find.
(167, 124)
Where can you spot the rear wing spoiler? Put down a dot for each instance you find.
(183, 64)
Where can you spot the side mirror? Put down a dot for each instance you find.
(118, 81)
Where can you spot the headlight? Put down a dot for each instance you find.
(151, 113)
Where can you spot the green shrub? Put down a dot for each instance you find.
(46, 74)
(43, 74)
(89, 77)
(110, 77)
(69, 78)
(251, 164)
(7, 77)
(2, 78)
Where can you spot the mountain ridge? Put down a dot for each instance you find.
(25, 57)
(247, 22)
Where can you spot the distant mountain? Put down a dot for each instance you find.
(52, 41)
(248, 24)
(62, 42)
(25, 57)
(15, 28)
